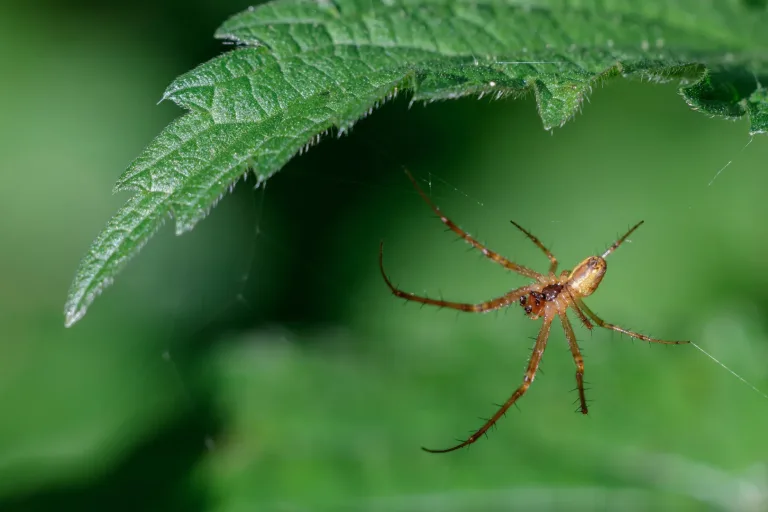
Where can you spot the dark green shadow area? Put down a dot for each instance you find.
(155, 475)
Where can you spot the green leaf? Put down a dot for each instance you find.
(123, 237)
(303, 68)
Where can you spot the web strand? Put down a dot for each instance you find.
(742, 379)
(729, 162)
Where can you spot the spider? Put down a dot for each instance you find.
(548, 297)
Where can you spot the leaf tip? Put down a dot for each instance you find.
(72, 315)
(75, 308)
(168, 93)
(77, 303)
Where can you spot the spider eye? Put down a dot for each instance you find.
(522, 300)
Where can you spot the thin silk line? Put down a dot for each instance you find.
(731, 371)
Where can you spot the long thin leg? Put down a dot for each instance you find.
(552, 259)
(498, 258)
(571, 337)
(497, 303)
(530, 374)
(579, 313)
(599, 321)
(620, 241)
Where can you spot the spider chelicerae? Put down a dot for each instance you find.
(548, 297)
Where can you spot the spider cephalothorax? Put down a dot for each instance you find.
(548, 297)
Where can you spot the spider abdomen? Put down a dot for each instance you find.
(533, 304)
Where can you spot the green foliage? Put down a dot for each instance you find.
(304, 68)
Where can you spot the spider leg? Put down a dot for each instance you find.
(498, 258)
(571, 337)
(497, 303)
(552, 259)
(575, 305)
(530, 374)
(599, 321)
(618, 242)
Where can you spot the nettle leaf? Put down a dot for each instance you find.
(303, 68)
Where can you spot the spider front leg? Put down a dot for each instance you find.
(599, 321)
(577, 358)
(530, 374)
(483, 307)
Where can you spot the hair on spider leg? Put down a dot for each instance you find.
(499, 406)
(577, 389)
(472, 432)
(587, 402)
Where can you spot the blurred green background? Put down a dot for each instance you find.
(259, 362)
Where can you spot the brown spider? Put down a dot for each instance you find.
(549, 296)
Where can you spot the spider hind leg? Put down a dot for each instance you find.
(483, 307)
(491, 255)
(547, 252)
(530, 374)
(570, 336)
